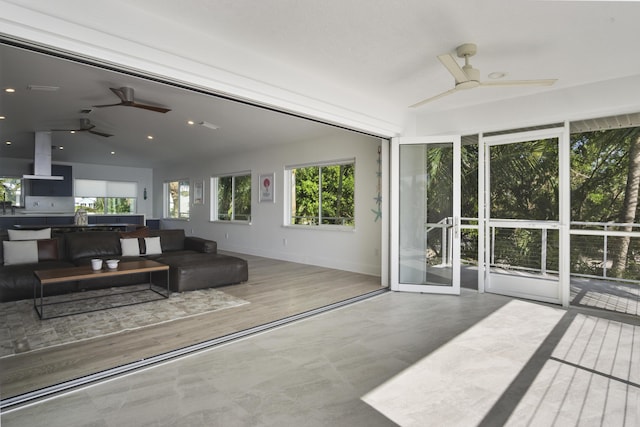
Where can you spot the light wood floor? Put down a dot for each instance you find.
(275, 290)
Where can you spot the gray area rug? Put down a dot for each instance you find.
(22, 331)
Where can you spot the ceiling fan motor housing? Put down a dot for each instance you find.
(467, 49)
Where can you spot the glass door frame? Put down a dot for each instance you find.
(564, 214)
(394, 260)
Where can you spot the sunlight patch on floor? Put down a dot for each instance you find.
(592, 378)
(459, 383)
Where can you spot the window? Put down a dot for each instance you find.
(322, 194)
(177, 199)
(105, 197)
(11, 190)
(231, 199)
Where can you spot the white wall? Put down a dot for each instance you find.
(143, 176)
(357, 250)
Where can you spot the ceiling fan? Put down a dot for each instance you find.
(85, 126)
(467, 77)
(126, 99)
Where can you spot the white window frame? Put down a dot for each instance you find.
(165, 199)
(288, 195)
(19, 200)
(106, 189)
(214, 217)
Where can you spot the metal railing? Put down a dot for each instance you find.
(325, 220)
(598, 254)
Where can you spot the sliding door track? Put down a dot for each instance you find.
(67, 386)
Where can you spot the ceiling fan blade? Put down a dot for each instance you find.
(150, 107)
(108, 105)
(543, 82)
(454, 68)
(95, 132)
(122, 94)
(433, 98)
(126, 96)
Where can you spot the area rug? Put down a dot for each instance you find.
(22, 331)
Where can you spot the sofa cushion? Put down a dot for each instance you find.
(45, 233)
(48, 250)
(199, 244)
(191, 271)
(17, 281)
(139, 232)
(152, 246)
(20, 252)
(130, 247)
(92, 244)
(170, 239)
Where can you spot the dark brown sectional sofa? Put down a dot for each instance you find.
(194, 263)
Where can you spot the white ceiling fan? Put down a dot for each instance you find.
(467, 77)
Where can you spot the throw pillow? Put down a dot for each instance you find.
(47, 250)
(45, 233)
(130, 247)
(20, 252)
(153, 245)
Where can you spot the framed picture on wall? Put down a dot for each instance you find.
(267, 184)
(198, 192)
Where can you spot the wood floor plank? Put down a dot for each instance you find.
(275, 290)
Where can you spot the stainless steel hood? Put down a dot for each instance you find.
(42, 158)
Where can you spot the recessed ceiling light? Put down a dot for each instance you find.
(9, 90)
(8, 142)
(149, 136)
(191, 122)
(60, 147)
(497, 75)
(2, 117)
(72, 131)
(113, 152)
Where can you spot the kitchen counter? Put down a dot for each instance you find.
(121, 226)
(62, 220)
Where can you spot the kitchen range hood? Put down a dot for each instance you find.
(42, 158)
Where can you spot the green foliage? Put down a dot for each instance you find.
(234, 198)
(524, 180)
(225, 195)
(525, 185)
(10, 190)
(324, 195)
(599, 165)
(242, 198)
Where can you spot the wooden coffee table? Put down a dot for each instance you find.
(60, 275)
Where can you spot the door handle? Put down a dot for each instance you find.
(456, 226)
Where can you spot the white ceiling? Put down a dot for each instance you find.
(373, 57)
(242, 127)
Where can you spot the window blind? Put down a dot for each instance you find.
(100, 188)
